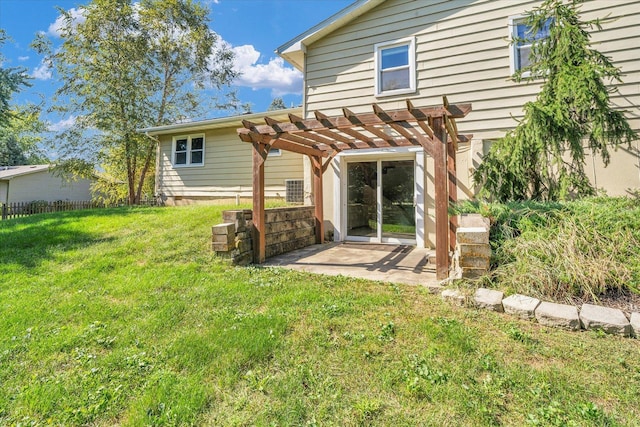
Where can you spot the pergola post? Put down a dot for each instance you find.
(453, 192)
(441, 190)
(260, 152)
(316, 165)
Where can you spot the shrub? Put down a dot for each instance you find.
(583, 248)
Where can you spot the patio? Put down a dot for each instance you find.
(389, 263)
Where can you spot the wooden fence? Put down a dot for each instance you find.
(21, 209)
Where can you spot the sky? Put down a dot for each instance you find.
(253, 28)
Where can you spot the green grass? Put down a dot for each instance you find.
(124, 317)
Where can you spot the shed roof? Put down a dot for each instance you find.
(9, 172)
(293, 50)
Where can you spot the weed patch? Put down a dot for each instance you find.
(582, 249)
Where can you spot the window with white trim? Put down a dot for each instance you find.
(274, 152)
(395, 65)
(523, 39)
(188, 150)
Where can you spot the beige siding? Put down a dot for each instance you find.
(45, 186)
(227, 169)
(463, 52)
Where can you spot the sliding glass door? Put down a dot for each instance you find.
(380, 201)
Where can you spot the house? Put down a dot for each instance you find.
(203, 161)
(377, 61)
(385, 52)
(37, 182)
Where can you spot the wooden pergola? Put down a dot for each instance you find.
(321, 139)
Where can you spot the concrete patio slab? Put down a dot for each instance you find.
(388, 263)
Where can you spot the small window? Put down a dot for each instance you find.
(523, 40)
(395, 66)
(294, 190)
(274, 152)
(188, 150)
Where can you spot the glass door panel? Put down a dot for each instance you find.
(398, 211)
(362, 199)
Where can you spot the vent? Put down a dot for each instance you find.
(294, 190)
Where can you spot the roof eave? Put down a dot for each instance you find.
(23, 170)
(231, 121)
(293, 50)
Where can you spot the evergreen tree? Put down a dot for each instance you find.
(543, 158)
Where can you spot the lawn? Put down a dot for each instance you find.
(124, 317)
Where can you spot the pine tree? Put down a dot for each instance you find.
(543, 158)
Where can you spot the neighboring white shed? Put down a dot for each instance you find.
(37, 182)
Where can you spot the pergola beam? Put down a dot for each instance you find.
(326, 121)
(406, 130)
(249, 136)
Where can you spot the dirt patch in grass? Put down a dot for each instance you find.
(626, 301)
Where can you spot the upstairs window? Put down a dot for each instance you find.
(524, 39)
(188, 150)
(395, 65)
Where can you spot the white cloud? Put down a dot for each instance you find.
(274, 75)
(23, 58)
(42, 71)
(77, 17)
(63, 124)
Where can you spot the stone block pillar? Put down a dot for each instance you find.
(232, 239)
(472, 254)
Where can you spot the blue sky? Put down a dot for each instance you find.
(254, 29)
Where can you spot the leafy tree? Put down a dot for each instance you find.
(20, 137)
(129, 65)
(543, 158)
(277, 104)
(11, 81)
(19, 127)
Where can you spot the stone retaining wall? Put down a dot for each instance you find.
(286, 229)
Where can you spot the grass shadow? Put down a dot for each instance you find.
(29, 240)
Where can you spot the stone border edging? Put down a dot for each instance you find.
(590, 317)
